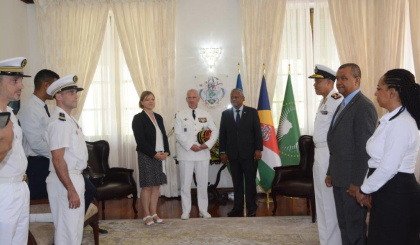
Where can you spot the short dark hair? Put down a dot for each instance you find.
(45, 76)
(143, 96)
(237, 90)
(355, 69)
(404, 83)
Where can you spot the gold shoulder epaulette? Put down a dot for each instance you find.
(336, 96)
(62, 117)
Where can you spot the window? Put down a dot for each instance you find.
(112, 102)
(302, 42)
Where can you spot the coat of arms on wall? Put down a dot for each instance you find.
(212, 92)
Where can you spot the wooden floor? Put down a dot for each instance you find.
(170, 208)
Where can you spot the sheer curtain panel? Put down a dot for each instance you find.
(296, 51)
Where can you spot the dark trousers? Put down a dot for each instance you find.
(351, 218)
(89, 193)
(244, 168)
(37, 173)
(395, 213)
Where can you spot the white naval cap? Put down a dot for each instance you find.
(13, 67)
(324, 72)
(62, 84)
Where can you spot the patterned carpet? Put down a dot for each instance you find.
(260, 230)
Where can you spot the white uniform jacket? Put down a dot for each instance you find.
(15, 162)
(64, 132)
(186, 129)
(324, 116)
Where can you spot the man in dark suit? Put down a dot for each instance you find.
(241, 144)
(353, 124)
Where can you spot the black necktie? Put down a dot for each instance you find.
(238, 117)
(46, 109)
(194, 114)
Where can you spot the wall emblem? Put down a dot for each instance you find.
(212, 92)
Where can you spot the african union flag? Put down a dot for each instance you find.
(288, 132)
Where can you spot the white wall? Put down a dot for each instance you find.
(205, 24)
(14, 41)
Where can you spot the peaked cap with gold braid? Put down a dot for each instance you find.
(324, 72)
(13, 67)
(62, 84)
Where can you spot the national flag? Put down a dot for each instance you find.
(288, 132)
(270, 154)
(238, 82)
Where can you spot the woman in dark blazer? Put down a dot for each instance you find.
(152, 150)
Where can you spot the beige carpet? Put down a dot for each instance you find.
(260, 230)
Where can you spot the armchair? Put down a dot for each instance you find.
(110, 183)
(297, 180)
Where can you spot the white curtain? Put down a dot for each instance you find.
(414, 7)
(111, 104)
(325, 49)
(262, 28)
(147, 32)
(374, 39)
(71, 36)
(296, 51)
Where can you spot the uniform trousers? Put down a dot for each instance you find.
(186, 170)
(329, 232)
(37, 172)
(68, 222)
(14, 213)
(351, 218)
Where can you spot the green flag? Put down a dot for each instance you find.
(288, 132)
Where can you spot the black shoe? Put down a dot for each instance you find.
(252, 213)
(102, 231)
(235, 213)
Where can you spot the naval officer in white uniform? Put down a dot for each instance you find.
(329, 232)
(14, 192)
(193, 156)
(65, 184)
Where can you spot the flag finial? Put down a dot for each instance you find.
(264, 69)
(239, 68)
(289, 68)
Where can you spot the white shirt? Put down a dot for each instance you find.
(324, 116)
(65, 133)
(34, 120)
(241, 109)
(393, 148)
(15, 162)
(159, 136)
